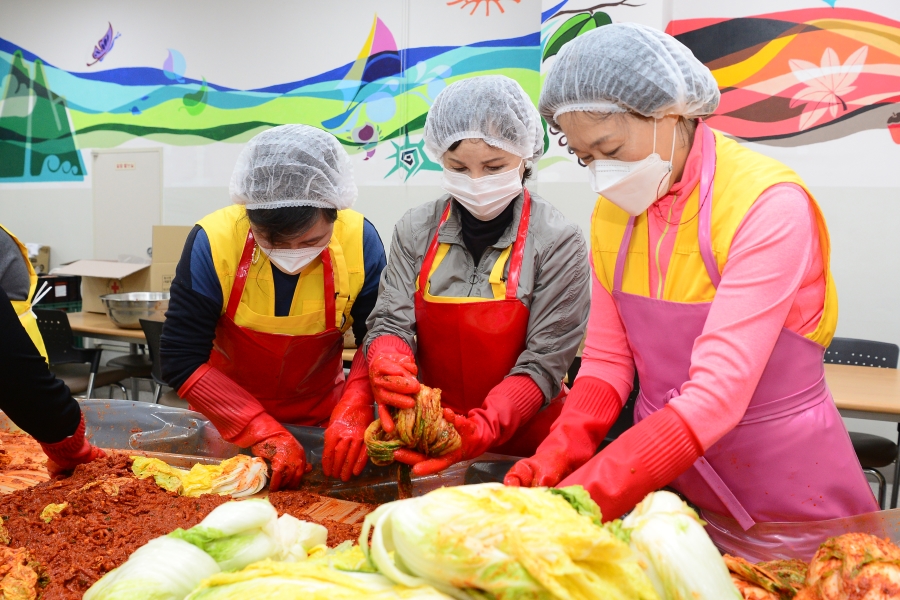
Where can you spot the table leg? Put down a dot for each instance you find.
(895, 487)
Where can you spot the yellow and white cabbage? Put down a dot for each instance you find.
(313, 580)
(674, 549)
(492, 541)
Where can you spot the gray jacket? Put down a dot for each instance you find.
(554, 283)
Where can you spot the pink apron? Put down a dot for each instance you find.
(790, 457)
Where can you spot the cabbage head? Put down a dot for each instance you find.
(493, 541)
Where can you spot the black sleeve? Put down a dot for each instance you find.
(30, 395)
(190, 327)
(375, 261)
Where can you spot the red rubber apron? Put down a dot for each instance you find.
(297, 378)
(790, 457)
(467, 348)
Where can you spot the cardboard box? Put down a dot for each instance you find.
(101, 277)
(168, 242)
(39, 257)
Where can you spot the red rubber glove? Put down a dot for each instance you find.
(242, 420)
(392, 373)
(70, 452)
(589, 411)
(513, 401)
(643, 459)
(345, 448)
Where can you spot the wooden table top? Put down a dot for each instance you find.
(90, 324)
(865, 390)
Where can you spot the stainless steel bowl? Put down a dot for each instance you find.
(125, 310)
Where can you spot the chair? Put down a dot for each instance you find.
(153, 332)
(138, 366)
(873, 451)
(79, 368)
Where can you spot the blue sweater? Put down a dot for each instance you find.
(196, 303)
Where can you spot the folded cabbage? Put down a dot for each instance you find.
(239, 476)
(492, 541)
(162, 569)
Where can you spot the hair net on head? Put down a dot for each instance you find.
(494, 108)
(628, 67)
(293, 165)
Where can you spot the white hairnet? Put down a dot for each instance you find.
(293, 165)
(628, 67)
(494, 108)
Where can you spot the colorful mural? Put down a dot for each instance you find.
(802, 76)
(382, 95)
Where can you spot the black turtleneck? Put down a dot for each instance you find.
(477, 234)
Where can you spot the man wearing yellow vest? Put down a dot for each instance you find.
(265, 291)
(19, 281)
(712, 279)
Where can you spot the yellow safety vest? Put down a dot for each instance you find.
(227, 232)
(23, 307)
(742, 175)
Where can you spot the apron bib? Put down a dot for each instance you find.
(23, 307)
(297, 378)
(466, 347)
(790, 457)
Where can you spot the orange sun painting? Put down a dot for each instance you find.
(476, 3)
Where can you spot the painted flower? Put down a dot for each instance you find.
(826, 85)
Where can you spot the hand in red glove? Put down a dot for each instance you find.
(510, 403)
(242, 420)
(345, 448)
(643, 459)
(268, 439)
(589, 411)
(392, 373)
(74, 450)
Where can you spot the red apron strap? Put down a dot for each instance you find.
(240, 278)
(518, 251)
(704, 225)
(515, 261)
(328, 274)
(432, 250)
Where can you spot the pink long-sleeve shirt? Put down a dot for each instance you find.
(774, 278)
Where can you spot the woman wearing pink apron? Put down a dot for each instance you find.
(712, 279)
(485, 295)
(264, 293)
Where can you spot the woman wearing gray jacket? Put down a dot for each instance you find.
(485, 294)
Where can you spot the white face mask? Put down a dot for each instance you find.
(633, 186)
(485, 197)
(291, 261)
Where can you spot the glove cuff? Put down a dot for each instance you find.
(512, 402)
(388, 343)
(666, 445)
(358, 379)
(645, 458)
(596, 399)
(261, 427)
(229, 406)
(69, 451)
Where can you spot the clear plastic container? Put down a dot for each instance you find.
(773, 541)
(154, 428)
